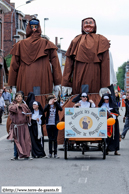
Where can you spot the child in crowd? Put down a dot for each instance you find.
(126, 117)
(20, 117)
(52, 118)
(36, 131)
(85, 102)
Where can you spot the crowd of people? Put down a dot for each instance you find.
(28, 118)
(26, 129)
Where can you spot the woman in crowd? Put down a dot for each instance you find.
(112, 141)
(36, 130)
(52, 118)
(20, 117)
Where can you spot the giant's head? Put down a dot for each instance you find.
(33, 27)
(88, 25)
(34, 24)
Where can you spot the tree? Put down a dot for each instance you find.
(8, 60)
(121, 75)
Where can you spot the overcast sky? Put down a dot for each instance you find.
(112, 19)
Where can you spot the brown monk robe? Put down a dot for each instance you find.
(19, 129)
(30, 68)
(87, 62)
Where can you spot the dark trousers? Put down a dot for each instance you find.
(52, 132)
(126, 127)
(15, 151)
(1, 112)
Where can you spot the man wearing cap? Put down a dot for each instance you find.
(31, 64)
(85, 102)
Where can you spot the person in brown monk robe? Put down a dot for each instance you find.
(20, 117)
(31, 64)
(87, 66)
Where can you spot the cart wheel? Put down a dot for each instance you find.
(104, 148)
(65, 148)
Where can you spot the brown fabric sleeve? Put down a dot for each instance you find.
(16, 49)
(14, 66)
(50, 45)
(68, 70)
(105, 70)
(103, 44)
(57, 75)
(13, 108)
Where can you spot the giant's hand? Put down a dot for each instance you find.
(66, 90)
(56, 90)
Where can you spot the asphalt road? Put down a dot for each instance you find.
(80, 174)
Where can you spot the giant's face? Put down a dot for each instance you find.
(34, 27)
(88, 25)
(34, 24)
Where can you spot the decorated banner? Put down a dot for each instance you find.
(85, 122)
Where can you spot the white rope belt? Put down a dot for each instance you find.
(16, 128)
(17, 125)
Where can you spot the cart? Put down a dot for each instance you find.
(78, 135)
(101, 142)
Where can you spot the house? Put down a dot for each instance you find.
(126, 85)
(15, 23)
(4, 8)
(61, 55)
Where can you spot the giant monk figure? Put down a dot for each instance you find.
(87, 64)
(35, 66)
(87, 61)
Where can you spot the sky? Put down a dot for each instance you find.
(112, 19)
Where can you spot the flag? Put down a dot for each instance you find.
(118, 88)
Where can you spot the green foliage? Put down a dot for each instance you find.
(121, 76)
(8, 60)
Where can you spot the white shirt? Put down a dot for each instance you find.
(86, 104)
(2, 103)
(51, 119)
(36, 115)
(124, 96)
(106, 105)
